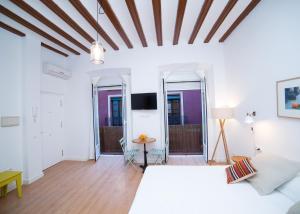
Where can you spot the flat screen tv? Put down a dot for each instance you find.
(145, 101)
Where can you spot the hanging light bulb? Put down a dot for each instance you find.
(97, 51)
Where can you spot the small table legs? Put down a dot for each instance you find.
(3, 191)
(145, 159)
(8, 177)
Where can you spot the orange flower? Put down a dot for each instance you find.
(295, 105)
(143, 137)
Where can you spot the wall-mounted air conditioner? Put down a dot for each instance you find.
(56, 71)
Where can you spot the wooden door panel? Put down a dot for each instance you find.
(185, 139)
(110, 136)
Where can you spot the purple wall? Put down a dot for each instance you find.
(103, 104)
(192, 106)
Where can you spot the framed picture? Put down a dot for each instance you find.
(288, 98)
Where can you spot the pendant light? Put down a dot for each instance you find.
(97, 51)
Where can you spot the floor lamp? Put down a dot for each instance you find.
(222, 114)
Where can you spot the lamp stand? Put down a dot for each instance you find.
(222, 134)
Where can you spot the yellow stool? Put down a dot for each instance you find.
(7, 177)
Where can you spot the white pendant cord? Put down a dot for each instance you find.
(97, 18)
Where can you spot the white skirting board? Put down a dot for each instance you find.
(28, 181)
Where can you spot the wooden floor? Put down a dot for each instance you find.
(106, 186)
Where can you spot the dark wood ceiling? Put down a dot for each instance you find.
(81, 37)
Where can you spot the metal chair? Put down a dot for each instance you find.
(159, 154)
(129, 155)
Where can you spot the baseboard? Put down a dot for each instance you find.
(27, 181)
(75, 159)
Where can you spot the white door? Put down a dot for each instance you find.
(165, 94)
(124, 113)
(96, 123)
(204, 119)
(52, 128)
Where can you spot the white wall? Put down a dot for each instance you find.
(31, 108)
(20, 92)
(21, 83)
(11, 100)
(261, 51)
(145, 77)
(54, 85)
(264, 49)
(78, 117)
(51, 83)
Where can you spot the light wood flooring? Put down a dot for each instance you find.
(106, 186)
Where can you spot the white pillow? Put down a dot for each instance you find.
(291, 188)
(295, 209)
(272, 172)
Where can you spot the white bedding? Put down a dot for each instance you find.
(201, 189)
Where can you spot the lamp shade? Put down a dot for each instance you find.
(222, 113)
(97, 53)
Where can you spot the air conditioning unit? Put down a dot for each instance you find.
(56, 71)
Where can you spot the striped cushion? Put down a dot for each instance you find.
(239, 171)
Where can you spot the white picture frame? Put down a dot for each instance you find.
(288, 98)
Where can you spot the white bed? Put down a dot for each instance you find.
(201, 189)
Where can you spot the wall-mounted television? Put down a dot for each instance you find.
(144, 101)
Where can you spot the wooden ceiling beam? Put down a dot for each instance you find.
(241, 17)
(115, 21)
(136, 21)
(156, 4)
(54, 49)
(230, 4)
(31, 11)
(90, 19)
(35, 29)
(179, 18)
(67, 19)
(11, 29)
(201, 17)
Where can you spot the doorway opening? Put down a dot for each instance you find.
(109, 102)
(184, 118)
(110, 111)
(185, 83)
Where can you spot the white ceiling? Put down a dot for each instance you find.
(145, 10)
